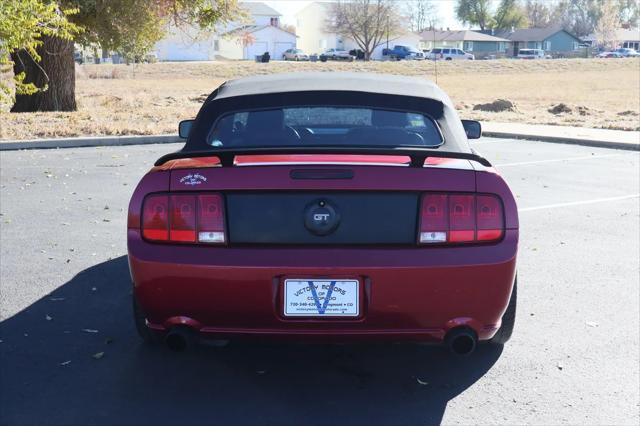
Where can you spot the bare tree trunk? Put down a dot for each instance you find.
(56, 70)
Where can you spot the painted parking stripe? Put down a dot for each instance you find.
(579, 203)
(482, 142)
(557, 160)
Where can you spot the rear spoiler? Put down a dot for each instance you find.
(418, 155)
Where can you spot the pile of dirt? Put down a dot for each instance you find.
(499, 105)
(560, 109)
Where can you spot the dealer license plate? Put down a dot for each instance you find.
(321, 298)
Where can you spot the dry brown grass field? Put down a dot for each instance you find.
(152, 98)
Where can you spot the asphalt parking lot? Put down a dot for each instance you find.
(69, 353)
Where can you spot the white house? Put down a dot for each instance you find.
(310, 27)
(249, 41)
(629, 38)
(260, 33)
(313, 38)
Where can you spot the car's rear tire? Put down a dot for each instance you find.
(147, 335)
(505, 331)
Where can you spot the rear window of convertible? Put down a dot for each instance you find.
(328, 126)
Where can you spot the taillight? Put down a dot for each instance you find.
(489, 217)
(184, 218)
(155, 218)
(460, 218)
(182, 226)
(210, 219)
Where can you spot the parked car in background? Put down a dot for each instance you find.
(627, 53)
(295, 55)
(449, 54)
(78, 57)
(337, 55)
(403, 52)
(609, 55)
(530, 54)
(325, 207)
(151, 58)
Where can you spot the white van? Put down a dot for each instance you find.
(530, 54)
(449, 54)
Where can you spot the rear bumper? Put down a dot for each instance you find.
(406, 293)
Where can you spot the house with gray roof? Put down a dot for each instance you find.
(481, 45)
(554, 40)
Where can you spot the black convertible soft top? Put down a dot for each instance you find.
(348, 89)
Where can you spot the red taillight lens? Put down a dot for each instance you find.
(460, 218)
(490, 218)
(184, 218)
(434, 218)
(155, 218)
(210, 219)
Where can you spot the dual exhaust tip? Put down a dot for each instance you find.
(461, 341)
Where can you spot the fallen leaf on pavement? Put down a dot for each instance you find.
(98, 355)
(89, 330)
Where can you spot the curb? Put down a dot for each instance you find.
(565, 140)
(89, 142)
(160, 139)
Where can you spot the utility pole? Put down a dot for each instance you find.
(387, 31)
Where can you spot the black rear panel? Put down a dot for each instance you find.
(322, 218)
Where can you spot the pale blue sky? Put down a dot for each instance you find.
(289, 8)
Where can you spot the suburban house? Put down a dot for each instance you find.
(250, 41)
(310, 27)
(481, 45)
(553, 40)
(629, 38)
(260, 33)
(314, 38)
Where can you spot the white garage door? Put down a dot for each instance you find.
(257, 48)
(281, 46)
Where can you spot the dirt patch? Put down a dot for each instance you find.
(560, 109)
(583, 110)
(628, 113)
(200, 98)
(499, 105)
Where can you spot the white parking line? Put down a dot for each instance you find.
(482, 142)
(579, 203)
(557, 160)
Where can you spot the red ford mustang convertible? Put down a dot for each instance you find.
(325, 206)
